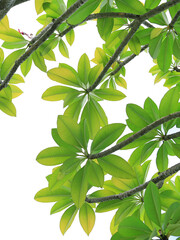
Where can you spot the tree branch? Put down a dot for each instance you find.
(171, 136)
(135, 136)
(6, 5)
(43, 37)
(136, 25)
(121, 196)
(175, 18)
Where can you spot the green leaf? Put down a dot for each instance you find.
(54, 8)
(83, 68)
(13, 45)
(70, 165)
(48, 45)
(7, 107)
(150, 4)
(164, 57)
(6, 93)
(90, 114)
(59, 206)
(109, 94)
(11, 35)
(95, 174)
(176, 47)
(100, 57)
(132, 227)
(155, 45)
(54, 156)
(116, 166)
(26, 66)
(169, 213)
(106, 136)
(176, 149)
(94, 73)
(69, 131)
(47, 195)
(70, 36)
(64, 74)
(108, 205)
(63, 48)
(151, 108)
(68, 218)
(39, 61)
(74, 109)
(105, 25)
(144, 35)
(4, 24)
(9, 62)
(162, 158)
(137, 116)
(16, 91)
(148, 149)
(16, 78)
(57, 93)
(160, 19)
(169, 103)
(87, 218)
(130, 6)
(152, 203)
(135, 45)
(85, 10)
(79, 187)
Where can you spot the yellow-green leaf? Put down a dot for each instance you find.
(79, 187)
(131, 6)
(95, 174)
(16, 91)
(47, 195)
(64, 74)
(4, 24)
(9, 62)
(11, 35)
(83, 68)
(116, 166)
(7, 107)
(70, 36)
(155, 32)
(16, 78)
(63, 48)
(135, 45)
(67, 218)
(39, 61)
(26, 66)
(87, 218)
(110, 94)
(54, 156)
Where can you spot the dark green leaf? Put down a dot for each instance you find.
(162, 158)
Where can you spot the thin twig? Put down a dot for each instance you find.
(175, 18)
(121, 196)
(135, 136)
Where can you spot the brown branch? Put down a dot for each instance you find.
(171, 136)
(175, 18)
(50, 29)
(111, 15)
(135, 136)
(121, 196)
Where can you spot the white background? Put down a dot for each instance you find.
(23, 137)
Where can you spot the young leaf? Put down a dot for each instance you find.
(135, 45)
(94, 73)
(16, 91)
(110, 94)
(26, 66)
(63, 48)
(64, 74)
(83, 68)
(152, 203)
(154, 46)
(68, 218)
(131, 227)
(79, 187)
(116, 166)
(106, 136)
(39, 61)
(70, 36)
(95, 174)
(11, 35)
(169, 103)
(162, 158)
(16, 78)
(151, 108)
(60, 205)
(9, 62)
(85, 10)
(47, 195)
(150, 4)
(7, 107)
(130, 6)
(57, 93)
(54, 156)
(69, 131)
(87, 218)
(105, 25)
(164, 58)
(100, 57)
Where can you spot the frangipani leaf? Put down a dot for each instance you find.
(87, 218)
(68, 218)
